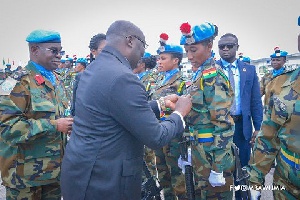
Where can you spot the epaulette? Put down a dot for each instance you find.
(17, 75)
(209, 72)
(179, 90)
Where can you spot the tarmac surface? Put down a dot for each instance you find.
(266, 195)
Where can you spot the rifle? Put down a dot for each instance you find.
(149, 188)
(189, 176)
(241, 174)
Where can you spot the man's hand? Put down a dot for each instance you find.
(252, 141)
(184, 105)
(170, 101)
(64, 125)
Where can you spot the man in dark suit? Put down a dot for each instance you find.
(247, 106)
(114, 121)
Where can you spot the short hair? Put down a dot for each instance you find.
(122, 28)
(150, 62)
(230, 35)
(95, 41)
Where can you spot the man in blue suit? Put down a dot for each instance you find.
(114, 121)
(247, 105)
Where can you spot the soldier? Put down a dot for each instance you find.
(33, 127)
(8, 70)
(279, 138)
(278, 59)
(169, 174)
(143, 70)
(97, 43)
(209, 120)
(81, 64)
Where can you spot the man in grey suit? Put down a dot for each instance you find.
(114, 121)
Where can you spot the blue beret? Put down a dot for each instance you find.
(279, 54)
(246, 59)
(197, 33)
(146, 55)
(81, 60)
(69, 59)
(43, 36)
(170, 48)
(62, 60)
(8, 64)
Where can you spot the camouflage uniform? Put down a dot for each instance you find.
(69, 78)
(149, 83)
(31, 148)
(212, 129)
(280, 137)
(169, 174)
(263, 83)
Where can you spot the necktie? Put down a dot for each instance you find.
(231, 80)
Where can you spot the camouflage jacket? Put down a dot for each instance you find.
(279, 136)
(149, 82)
(31, 148)
(263, 83)
(209, 120)
(176, 85)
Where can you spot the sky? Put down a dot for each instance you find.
(260, 25)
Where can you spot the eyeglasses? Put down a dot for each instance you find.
(228, 46)
(54, 51)
(145, 45)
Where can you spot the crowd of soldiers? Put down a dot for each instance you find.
(209, 125)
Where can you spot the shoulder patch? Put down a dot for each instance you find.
(223, 75)
(209, 73)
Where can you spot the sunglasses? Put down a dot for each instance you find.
(54, 51)
(228, 46)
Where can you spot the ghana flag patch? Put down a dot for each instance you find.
(208, 73)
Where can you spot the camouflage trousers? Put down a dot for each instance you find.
(169, 174)
(44, 192)
(287, 181)
(203, 164)
(149, 158)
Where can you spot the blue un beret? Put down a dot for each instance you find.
(246, 59)
(197, 33)
(146, 55)
(81, 60)
(170, 48)
(278, 53)
(8, 65)
(43, 36)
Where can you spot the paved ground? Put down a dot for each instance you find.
(266, 195)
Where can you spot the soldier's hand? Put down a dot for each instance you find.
(64, 125)
(184, 105)
(252, 141)
(170, 101)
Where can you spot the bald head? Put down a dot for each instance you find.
(127, 38)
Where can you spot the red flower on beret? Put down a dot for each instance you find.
(185, 28)
(164, 36)
(39, 79)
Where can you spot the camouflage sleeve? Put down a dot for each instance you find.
(218, 95)
(16, 124)
(262, 86)
(266, 147)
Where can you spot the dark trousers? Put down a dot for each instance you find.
(244, 148)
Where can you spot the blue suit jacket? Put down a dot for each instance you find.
(251, 104)
(113, 122)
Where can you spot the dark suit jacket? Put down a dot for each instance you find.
(113, 122)
(251, 104)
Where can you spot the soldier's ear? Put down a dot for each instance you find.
(33, 49)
